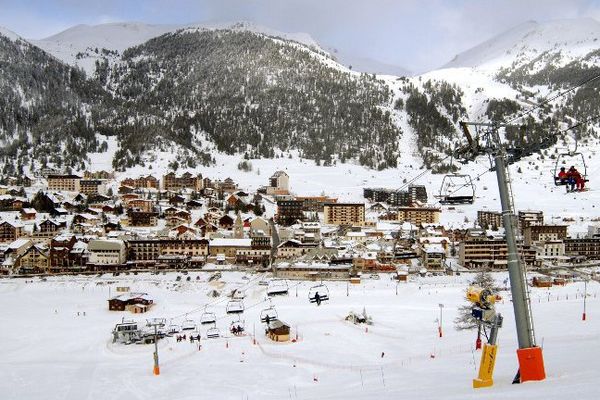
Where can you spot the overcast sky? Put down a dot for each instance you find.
(416, 34)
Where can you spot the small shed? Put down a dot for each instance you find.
(138, 308)
(402, 276)
(278, 331)
(543, 281)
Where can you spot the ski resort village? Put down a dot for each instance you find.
(227, 211)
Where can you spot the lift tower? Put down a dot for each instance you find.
(531, 361)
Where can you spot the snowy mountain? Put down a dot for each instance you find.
(566, 39)
(248, 91)
(83, 45)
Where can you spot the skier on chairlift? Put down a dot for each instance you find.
(317, 298)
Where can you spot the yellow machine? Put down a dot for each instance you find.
(483, 311)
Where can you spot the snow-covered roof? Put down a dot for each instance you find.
(230, 242)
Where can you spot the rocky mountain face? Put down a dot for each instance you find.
(241, 90)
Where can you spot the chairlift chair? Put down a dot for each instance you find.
(237, 327)
(268, 314)
(207, 318)
(235, 307)
(277, 287)
(173, 328)
(323, 292)
(567, 160)
(456, 189)
(213, 333)
(188, 325)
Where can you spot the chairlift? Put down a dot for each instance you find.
(566, 161)
(277, 287)
(318, 294)
(173, 329)
(207, 318)
(213, 333)
(188, 325)
(235, 307)
(456, 189)
(237, 327)
(268, 314)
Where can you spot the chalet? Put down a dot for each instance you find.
(35, 259)
(28, 214)
(184, 231)
(86, 218)
(98, 175)
(278, 331)
(193, 204)
(122, 301)
(49, 227)
(10, 231)
(124, 190)
(141, 218)
(143, 182)
(177, 200)
(60, 248)
(144, 205)
(186, 181)
(293, 249)
(17, 204)
(226, 222)
(12, 252)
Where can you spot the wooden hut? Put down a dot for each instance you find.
(278, 331)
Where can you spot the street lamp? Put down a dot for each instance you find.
(441, 314)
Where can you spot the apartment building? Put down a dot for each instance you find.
(66, 183)
(344, 214)
(186, 181)
(419, 215)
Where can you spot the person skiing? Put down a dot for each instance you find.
(267, 319)
(317, 298)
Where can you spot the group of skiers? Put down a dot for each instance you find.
(183, 338)
(237, 329)
(572, 179)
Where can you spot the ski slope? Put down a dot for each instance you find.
(51, 352)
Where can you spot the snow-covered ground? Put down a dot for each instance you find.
(51, 352)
